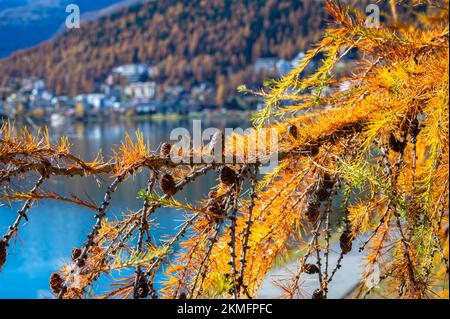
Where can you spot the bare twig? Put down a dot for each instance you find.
(22, 213)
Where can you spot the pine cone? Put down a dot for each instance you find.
(323, 194)
(328, 181)
(76, 253)
(141, 290)
(165, 150)
(168, 185)
(346, 242)
(212, 194)
(314, 151)
(56, 283)
(2, 253)
(293, 131)
(318, 294)
(312, 213)
(215, 208)
(182, 296)
(310, 269)
(227, 175)
(312, 209)
(396, 145)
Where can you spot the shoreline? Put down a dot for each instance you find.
(56, 120)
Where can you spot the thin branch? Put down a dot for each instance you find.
(91, 237)
(22, 213)
(247, 233)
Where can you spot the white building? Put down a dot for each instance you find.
(93, 100)
(132, 72)
(140, 90)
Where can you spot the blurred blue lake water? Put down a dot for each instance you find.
(45, 243)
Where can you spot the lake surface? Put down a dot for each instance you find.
(45, 243)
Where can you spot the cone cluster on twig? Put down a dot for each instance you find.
(212, 194)
(318, 294)
(182, 296)
(168, 185)
(314, 151)
(165, 149)
(141, 289)
(310, 269)
(325, 187)
(227, 175)
(322, 192)
(56, 283)
(293, 131)
(312, 209)
(76, 253)
(345, 241)
(215, 206)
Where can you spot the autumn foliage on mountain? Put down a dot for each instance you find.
(189, 41)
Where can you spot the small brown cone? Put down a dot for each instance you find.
(323, 194)
(328, 181)
(310, 269)
(2, 253)
(227, 175)
(168, 185)
(345, 242)
(215, 212)
(318, 294)
(142, 289)
(312, 209)
(396, 145)
(313, 214)
(212, 194)
(56, 283)
(182, 296)
(215, 208)
(293, 131)
(76, 253)
(165, 149)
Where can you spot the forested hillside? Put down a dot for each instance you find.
(189, 41)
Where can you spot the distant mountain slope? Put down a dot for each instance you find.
(93, 15)
(24, 23)
(189, 41)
